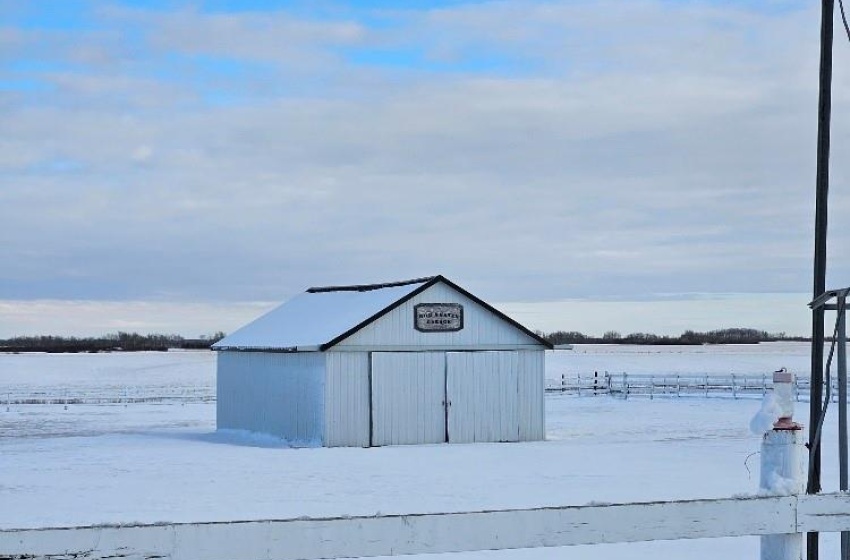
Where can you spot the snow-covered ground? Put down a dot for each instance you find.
(116, 373)
(85, 464)
(744, 359)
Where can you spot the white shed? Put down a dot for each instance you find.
(419, 361)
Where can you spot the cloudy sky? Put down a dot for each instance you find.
(648, 165)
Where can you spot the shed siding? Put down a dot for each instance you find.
(273, 393)
(347, 399)
(532, 381)
(482, 328)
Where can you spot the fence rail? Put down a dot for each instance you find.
(641, 385)
(384, 535)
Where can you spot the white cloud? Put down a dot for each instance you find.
(670, 315)
(97, 318)
(615, 149)
(142, 153)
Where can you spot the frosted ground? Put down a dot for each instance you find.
(88, 464)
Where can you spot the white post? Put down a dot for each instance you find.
(782, 468)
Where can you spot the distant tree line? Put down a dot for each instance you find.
(134, 342)
(720, 336)
(119, 342)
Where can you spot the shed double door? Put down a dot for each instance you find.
(434, 397)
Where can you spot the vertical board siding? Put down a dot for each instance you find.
(532, 388)
(273, 393)
(481, 327)
(347, 399)
(408, 395)
(482, 388)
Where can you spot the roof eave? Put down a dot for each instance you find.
(278, 349)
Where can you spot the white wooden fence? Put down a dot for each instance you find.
(385, 535)
(626, 385)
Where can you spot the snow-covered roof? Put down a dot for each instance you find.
(318, 316)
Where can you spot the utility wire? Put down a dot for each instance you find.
(844, 18)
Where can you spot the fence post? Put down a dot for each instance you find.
(764, 384)
(578, 383)
(678, 386)
(563, 382)
(781, 475)
(706, 384)
(734, 388)
(625, 385)
(595, 383)
(781, 468)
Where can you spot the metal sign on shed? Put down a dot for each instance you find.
(438, 317)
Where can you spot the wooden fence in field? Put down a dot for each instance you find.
(386, 535)
(627, 385)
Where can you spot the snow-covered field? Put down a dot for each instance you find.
(87, 464)
(743, 359)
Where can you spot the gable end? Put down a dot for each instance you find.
(434, 280)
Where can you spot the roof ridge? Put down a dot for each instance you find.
(369, 287)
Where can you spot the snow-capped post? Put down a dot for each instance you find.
(781, 466)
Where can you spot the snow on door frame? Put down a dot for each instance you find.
(408, 397)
